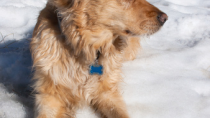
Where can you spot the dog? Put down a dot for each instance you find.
(78, 47)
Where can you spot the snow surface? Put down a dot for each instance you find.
(169, 79)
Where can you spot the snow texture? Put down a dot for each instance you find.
(169, 79)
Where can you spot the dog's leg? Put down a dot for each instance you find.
(49, 107)
(110, 105)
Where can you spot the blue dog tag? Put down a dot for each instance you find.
(96, 69)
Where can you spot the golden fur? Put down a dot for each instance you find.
(61, 58)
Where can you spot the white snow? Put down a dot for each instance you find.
(169, 79)
(9, 106)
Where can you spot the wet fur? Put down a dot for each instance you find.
(61, 58)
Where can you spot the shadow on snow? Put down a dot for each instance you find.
(16, 70)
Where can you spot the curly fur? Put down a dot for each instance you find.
(61, 58)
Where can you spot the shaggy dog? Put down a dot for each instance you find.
(78, 47)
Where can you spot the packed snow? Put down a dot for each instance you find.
(169, 79)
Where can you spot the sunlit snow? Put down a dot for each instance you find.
(169, 79)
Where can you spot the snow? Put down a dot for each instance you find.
(169, 79)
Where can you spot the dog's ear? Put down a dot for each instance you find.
(62, 3)
(88, 42)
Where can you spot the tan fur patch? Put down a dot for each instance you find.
(61, 58)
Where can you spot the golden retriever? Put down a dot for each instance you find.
(78, 47)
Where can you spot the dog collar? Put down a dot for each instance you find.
(59, 18)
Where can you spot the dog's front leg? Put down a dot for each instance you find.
(48, 106)
(110, 105)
